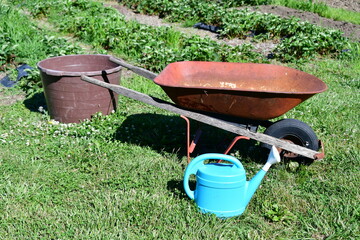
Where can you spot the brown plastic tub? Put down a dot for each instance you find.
(68, 98)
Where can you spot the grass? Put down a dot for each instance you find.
(108, 178)
(120, 176)
(30, 43)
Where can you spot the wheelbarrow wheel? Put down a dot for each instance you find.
(294, 131)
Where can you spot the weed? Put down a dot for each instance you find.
(278, 213)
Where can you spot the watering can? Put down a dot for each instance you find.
(221, 188)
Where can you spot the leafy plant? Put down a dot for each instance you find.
(39, 9)
(7, 50)
(278, 213)
(31, 83)
(8, 46)
(303, 46)
(57, 46)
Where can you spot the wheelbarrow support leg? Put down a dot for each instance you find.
(190, 147)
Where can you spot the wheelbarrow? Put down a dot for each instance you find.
(236, 97)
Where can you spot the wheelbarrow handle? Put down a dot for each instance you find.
(141, 71)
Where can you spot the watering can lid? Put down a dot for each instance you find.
(221, 172)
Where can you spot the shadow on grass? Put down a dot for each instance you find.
(168, 133)
(177, 188)
(160, 132)
(36, 101)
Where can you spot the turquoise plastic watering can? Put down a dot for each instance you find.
(221, 188)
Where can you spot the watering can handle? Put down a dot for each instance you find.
(198, 162)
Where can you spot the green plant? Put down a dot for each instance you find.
(8, 44)
(31, 83)
(57, 46)
(278, 213)
(306, 46)
(7, 51)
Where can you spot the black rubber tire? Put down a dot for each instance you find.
(294, 130)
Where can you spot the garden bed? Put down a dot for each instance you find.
(350, 30)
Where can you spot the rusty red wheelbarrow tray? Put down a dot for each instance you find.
(246, 90)
(257, 92)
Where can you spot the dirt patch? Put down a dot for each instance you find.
(351, 5)
(350, 30)
(6, 100)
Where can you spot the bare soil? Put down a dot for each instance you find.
(6, 99)
(350, 30)
(351, 5)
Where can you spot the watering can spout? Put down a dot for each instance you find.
(253, 184)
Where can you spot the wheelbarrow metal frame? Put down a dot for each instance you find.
(200, 117)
